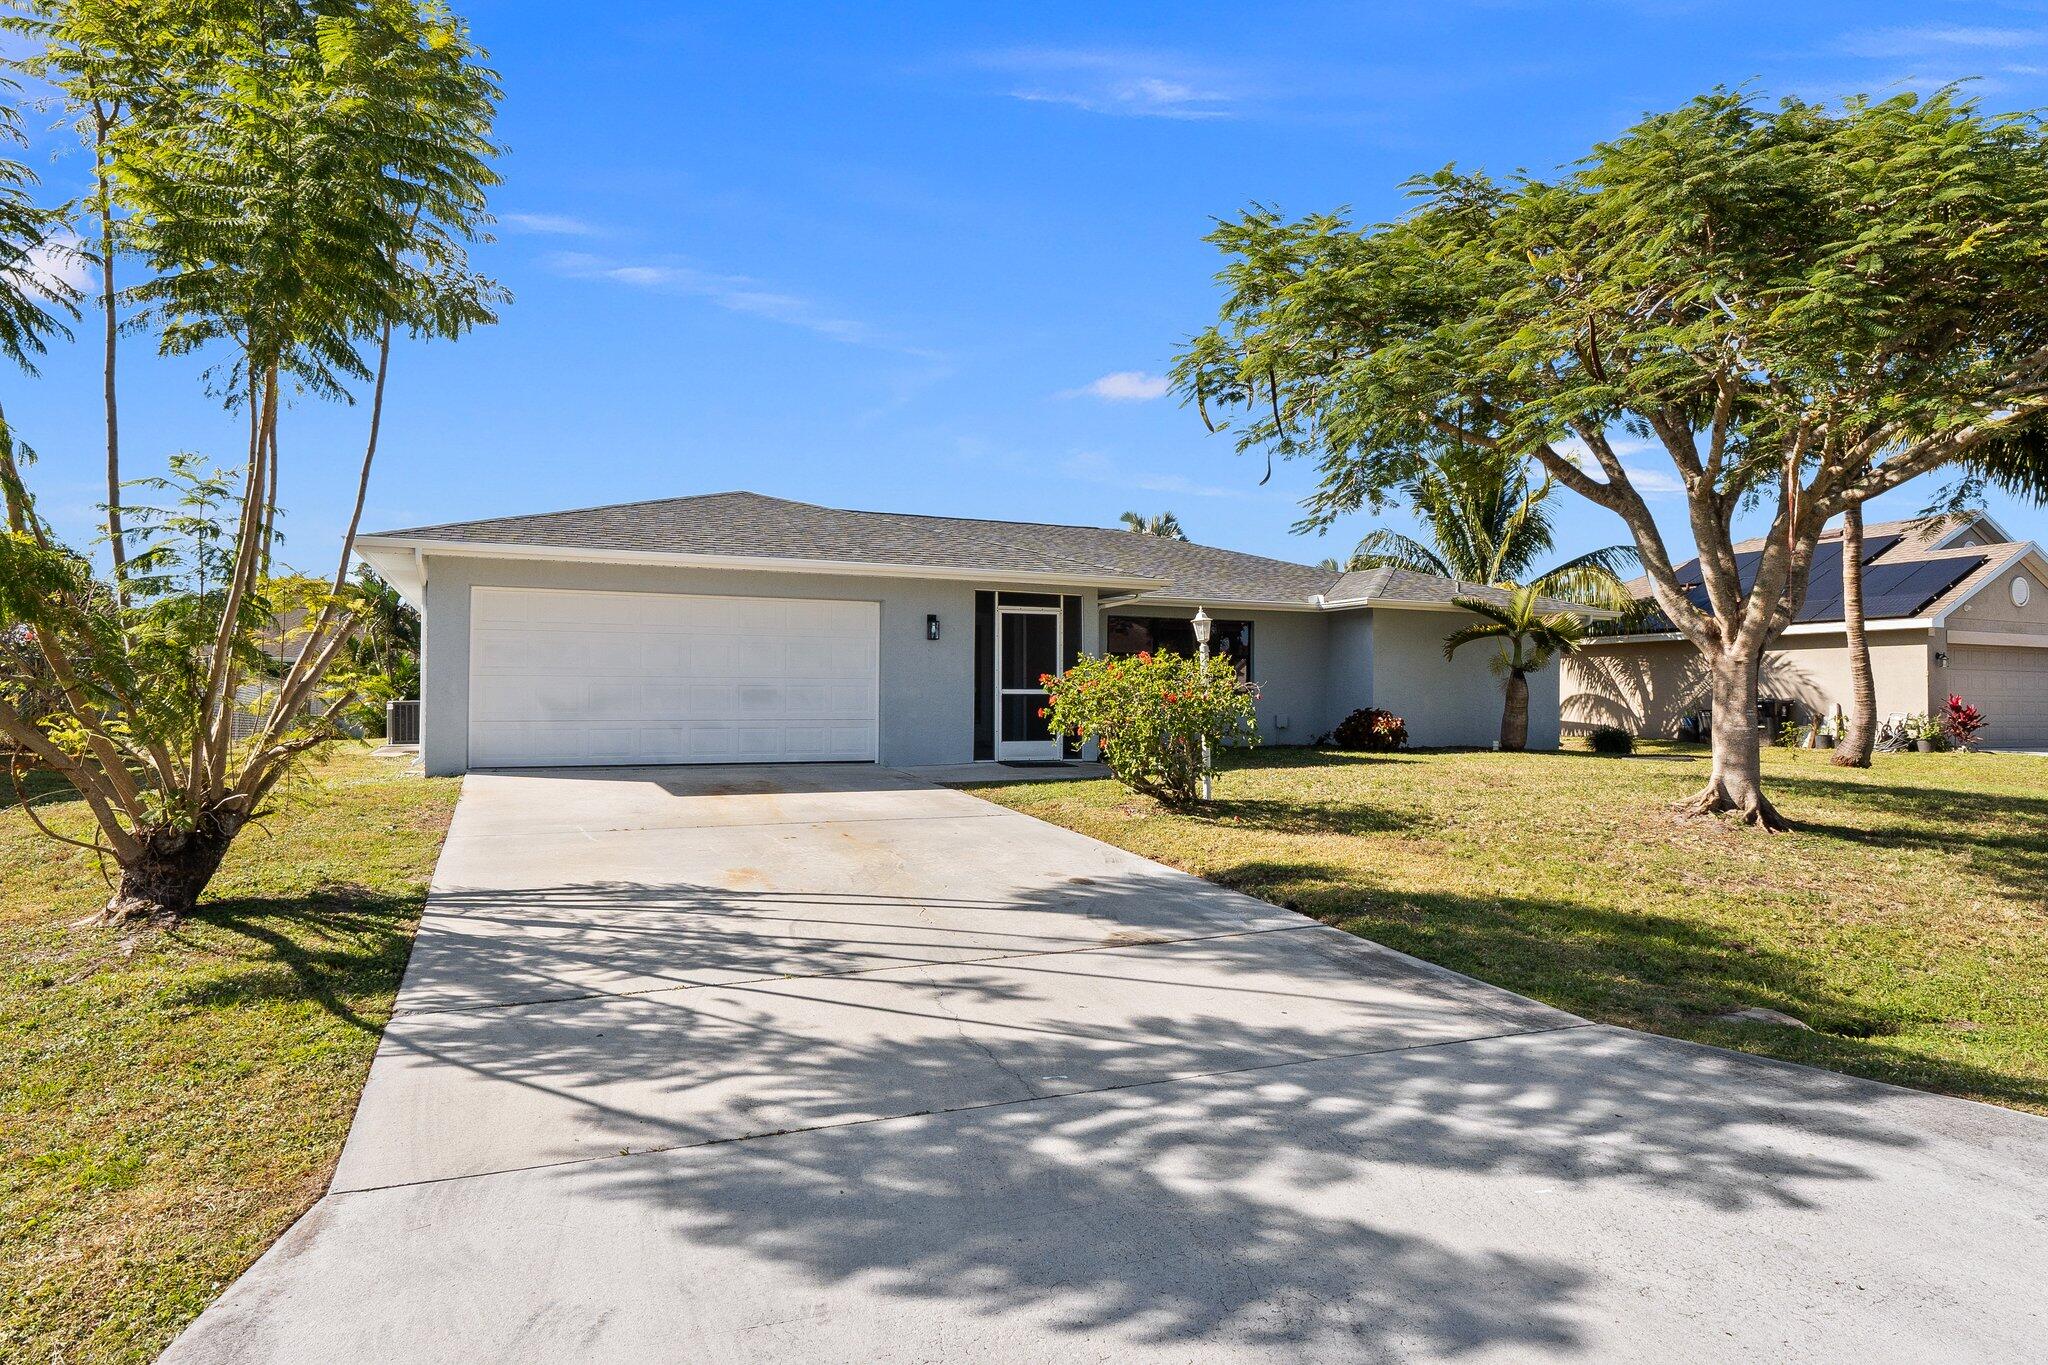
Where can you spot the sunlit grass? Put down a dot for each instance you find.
(172, 1101)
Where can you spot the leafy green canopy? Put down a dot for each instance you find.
(1793, 303)
(298, 181)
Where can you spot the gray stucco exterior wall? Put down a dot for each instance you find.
(927, 686)
(1349, 687)
(1455, 702)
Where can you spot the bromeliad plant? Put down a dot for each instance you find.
(1150, 713)
(296, 183)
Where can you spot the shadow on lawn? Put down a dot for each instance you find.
(2007, 834)
(332, 944)
(1659, 972)
(1060, 1173)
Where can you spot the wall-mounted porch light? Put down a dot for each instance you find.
(931, 626)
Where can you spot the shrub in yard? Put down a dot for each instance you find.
(1960, 722)
(1371, 729)
(1150, 713)
(1611, 739)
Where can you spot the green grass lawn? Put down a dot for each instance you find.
(1906, 921)
(172, 1101)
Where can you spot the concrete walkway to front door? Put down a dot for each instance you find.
(828, 1064)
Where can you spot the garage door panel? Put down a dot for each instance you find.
(559, 677)
(2009, 684)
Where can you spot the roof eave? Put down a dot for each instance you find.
(1429, 604)
(1801, 628)
(1081, 576)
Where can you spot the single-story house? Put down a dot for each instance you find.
(1953, 606)
(734, 627)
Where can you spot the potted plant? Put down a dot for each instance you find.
(1831, 730)
(1926, 732)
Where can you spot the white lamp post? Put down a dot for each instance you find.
(1202, 626)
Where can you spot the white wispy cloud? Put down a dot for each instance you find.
(1925, 39)
(56, 268)
(1647, 479)
(733, 293)
(1112, 81)
(550, 224)
(1092, 467)
(1122, 386)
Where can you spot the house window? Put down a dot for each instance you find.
(1176, 634)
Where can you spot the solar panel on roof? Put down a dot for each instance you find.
(1877, 545)
(1900, 590)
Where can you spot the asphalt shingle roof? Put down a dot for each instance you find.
(752, 525)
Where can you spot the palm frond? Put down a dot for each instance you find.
(1593, 579)
(1391, 550)
(1458, 639)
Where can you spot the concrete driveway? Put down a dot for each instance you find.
(829, 1064)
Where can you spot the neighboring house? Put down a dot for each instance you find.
(1953, 605)
(739, 628)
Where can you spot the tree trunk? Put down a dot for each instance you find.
(162, 886)
(1514, 718)
(1859, 735)
(1736, 783)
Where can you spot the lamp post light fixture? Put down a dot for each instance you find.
(1203, 625)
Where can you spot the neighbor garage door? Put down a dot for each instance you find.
(569, 678)
(2009, 685)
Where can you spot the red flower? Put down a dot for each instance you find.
(1144, 656)
(1044, 711)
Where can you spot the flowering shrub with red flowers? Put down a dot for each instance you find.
(1960, 722)
(1372, 730)
(1150, 713)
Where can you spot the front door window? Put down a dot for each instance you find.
(1028, 647)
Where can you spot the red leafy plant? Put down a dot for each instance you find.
(1960, 722)
(1371, 730)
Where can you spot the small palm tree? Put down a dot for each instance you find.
(1531, 640)
(1489, 522)
(1166, 525)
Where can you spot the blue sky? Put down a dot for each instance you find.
(934, 258)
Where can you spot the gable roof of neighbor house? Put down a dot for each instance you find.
(1962, 538)
(750, 530)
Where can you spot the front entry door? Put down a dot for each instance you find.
(1029, 645)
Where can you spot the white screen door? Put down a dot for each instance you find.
(1029, 645)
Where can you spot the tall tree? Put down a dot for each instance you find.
(1489, 522)
(1800, 307)
(1165, 525)
(302, 182)
(108, 58)
(1859, 736)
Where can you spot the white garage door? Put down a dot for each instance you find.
(570, 678)
(2009, 685)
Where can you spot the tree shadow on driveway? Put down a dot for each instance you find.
(1291, 1154)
